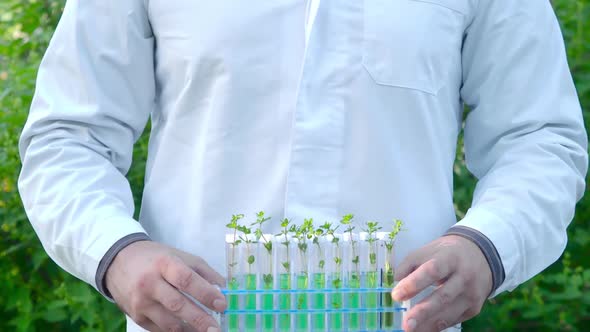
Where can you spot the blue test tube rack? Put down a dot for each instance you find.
(250, 315)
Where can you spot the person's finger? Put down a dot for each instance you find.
(163, 319)
(186, 280)
(425, 275)
(410, 264)
(174, 304)
(442, 299)
(146, 323)
(202, 268)
(473, 310)
(447, 317)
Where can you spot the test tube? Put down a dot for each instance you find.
(385, 247)
(283, 262)
(335, 282)
(351, 253)
(249, 266)
(302, 275)
(317, 253)
(265, 250)
(232, 256)
(371, 278)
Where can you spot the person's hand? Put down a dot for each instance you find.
(464, 279)
(146, 279)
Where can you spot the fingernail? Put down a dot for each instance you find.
(411, 324)
(213, 329)
(398, 295)
(219, 305)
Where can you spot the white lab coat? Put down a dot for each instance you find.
(247, 116)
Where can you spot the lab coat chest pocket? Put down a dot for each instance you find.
(413, 44)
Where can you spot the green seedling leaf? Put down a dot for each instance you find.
(268, 246)
(347, 219)
(336, 283)
(267, 278)
(285, 223)
(233, 224)
(251, 259)
(258, 234)
(397, 227)
(373, 258)
(302, 246)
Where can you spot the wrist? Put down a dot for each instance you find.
(102, 272)
(487, 248)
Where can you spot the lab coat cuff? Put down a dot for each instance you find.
(499, 243)
(108, 258)
(114, 230)
(487, 248)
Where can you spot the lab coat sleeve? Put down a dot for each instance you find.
(95, 90)
(524, 136)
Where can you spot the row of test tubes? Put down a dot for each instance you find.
(312, 285)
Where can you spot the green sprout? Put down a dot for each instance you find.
(304, 233)
(287, 228)
(317, 234)
(397, 227)
(234, 224)
(245, 230)
(260, 220)
(329, 231)
(347, 222)
(372, 228)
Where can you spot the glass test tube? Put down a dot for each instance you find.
(390, 320)
(266, 280)
(248, 263)
(232, 256)
(302, 275)
(283, 263)
(335, 282)
(371, 278)
(317, 254)
(353, 278)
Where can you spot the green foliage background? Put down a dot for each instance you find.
(36, 295)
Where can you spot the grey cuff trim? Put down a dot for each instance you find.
(487, 248)
(110, 255)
